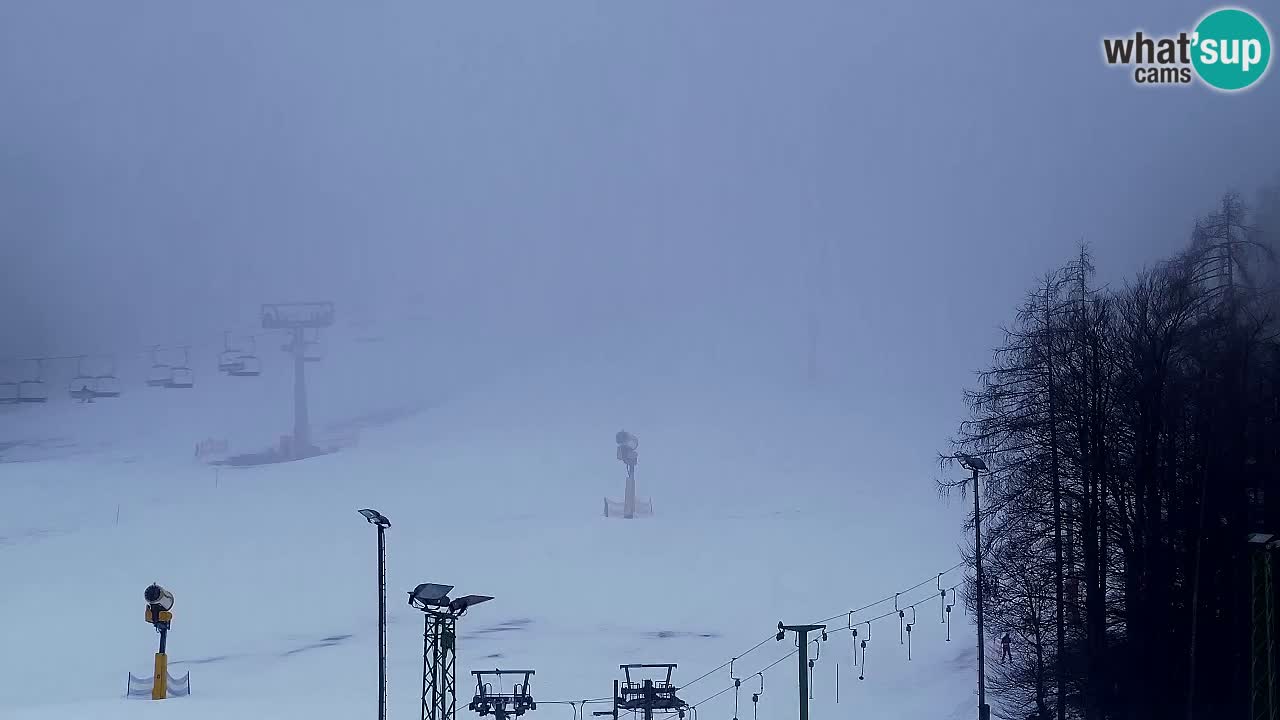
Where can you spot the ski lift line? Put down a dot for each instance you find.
(760, 672)
(571, 703)
(887, 598)
(145, 350)
(848, 614)
(891, 613)
(757, 646)
(47, 357)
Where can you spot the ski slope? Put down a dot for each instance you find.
(774, 502)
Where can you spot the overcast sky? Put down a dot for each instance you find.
(538, 168)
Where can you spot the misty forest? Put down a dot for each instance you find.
(1129, 430)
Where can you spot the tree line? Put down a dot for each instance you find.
(1128, 431)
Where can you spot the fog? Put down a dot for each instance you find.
(530, 175)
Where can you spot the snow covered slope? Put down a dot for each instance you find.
(774, 502)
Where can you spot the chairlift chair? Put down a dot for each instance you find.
(91, 387)
(249, 366)
(181, 377)
(33, 389)
(247, 363)
(160, 374)
(9, 389)
(229, 361)
(229, 358)
(312, 348)
(107, 385)
(83, 386)
(312, 351)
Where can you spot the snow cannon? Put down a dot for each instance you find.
(630, 507)
(161, 684)
(156, 595)
(627, 445)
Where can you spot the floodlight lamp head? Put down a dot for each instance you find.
(462, 604)
(375, 518)
(971, 462)
(626, 440)
(430, 595)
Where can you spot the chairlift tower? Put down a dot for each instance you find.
(805, 664)
(297, 318)
(502, 706)
(648, 695)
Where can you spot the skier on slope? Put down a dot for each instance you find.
(1004, 647)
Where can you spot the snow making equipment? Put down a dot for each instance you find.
(161, 685)
(630, 507)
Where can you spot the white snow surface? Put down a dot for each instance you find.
(774, 501)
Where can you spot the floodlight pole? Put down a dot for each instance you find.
(984, 712)
(380, 521)
(382, 624)
(974, 465)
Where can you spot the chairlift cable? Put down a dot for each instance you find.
(862, 645)
(849, 617)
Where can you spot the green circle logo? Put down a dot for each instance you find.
(1232, 49)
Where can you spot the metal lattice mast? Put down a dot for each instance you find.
(449, 704)
(439, 646)
(429, 662)
(439, 662)
(1262, 696)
